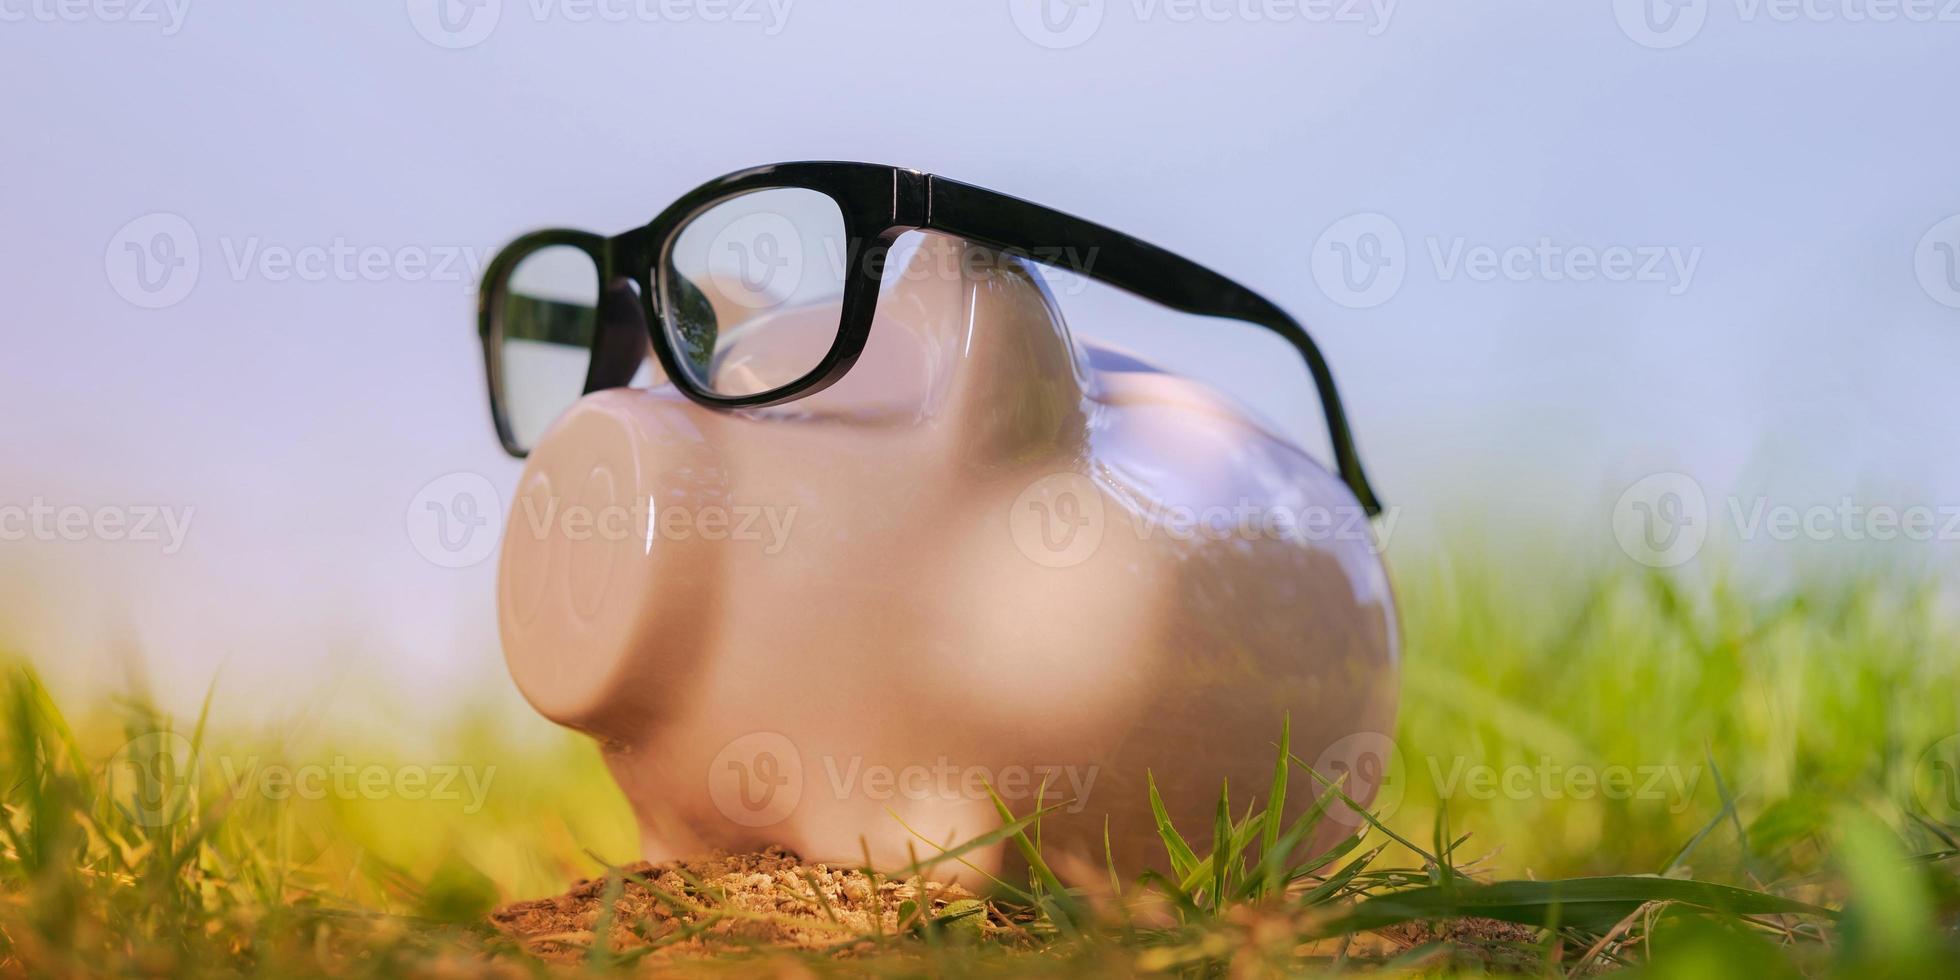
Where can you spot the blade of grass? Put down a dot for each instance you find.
(1221, 848)
(1276, 798)
(1681, 856)
(1010, 827)
(1109, 859)
(1331, 888)
(1594, 904)
(1183, 859)
(1065, 911)
(1363, 813)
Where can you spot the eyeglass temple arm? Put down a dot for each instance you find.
(1142, 269)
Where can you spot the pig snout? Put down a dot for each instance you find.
(589, 540)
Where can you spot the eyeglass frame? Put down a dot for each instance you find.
(878, 204)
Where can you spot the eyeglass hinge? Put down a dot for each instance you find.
(911, 198)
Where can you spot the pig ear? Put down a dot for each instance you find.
(1018, 383)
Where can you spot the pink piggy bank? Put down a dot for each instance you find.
(991, 560)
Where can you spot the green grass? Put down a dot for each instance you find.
(1789, 814)
(1800, 704)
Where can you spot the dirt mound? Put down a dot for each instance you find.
(721, 902)
(772, 903)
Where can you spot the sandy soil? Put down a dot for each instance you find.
(767, 900)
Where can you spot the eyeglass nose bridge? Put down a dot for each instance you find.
(621, 341)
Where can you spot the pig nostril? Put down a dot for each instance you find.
(609, 524)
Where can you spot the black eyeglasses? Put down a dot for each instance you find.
(759, 288)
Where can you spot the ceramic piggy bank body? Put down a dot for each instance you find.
(990, 560)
